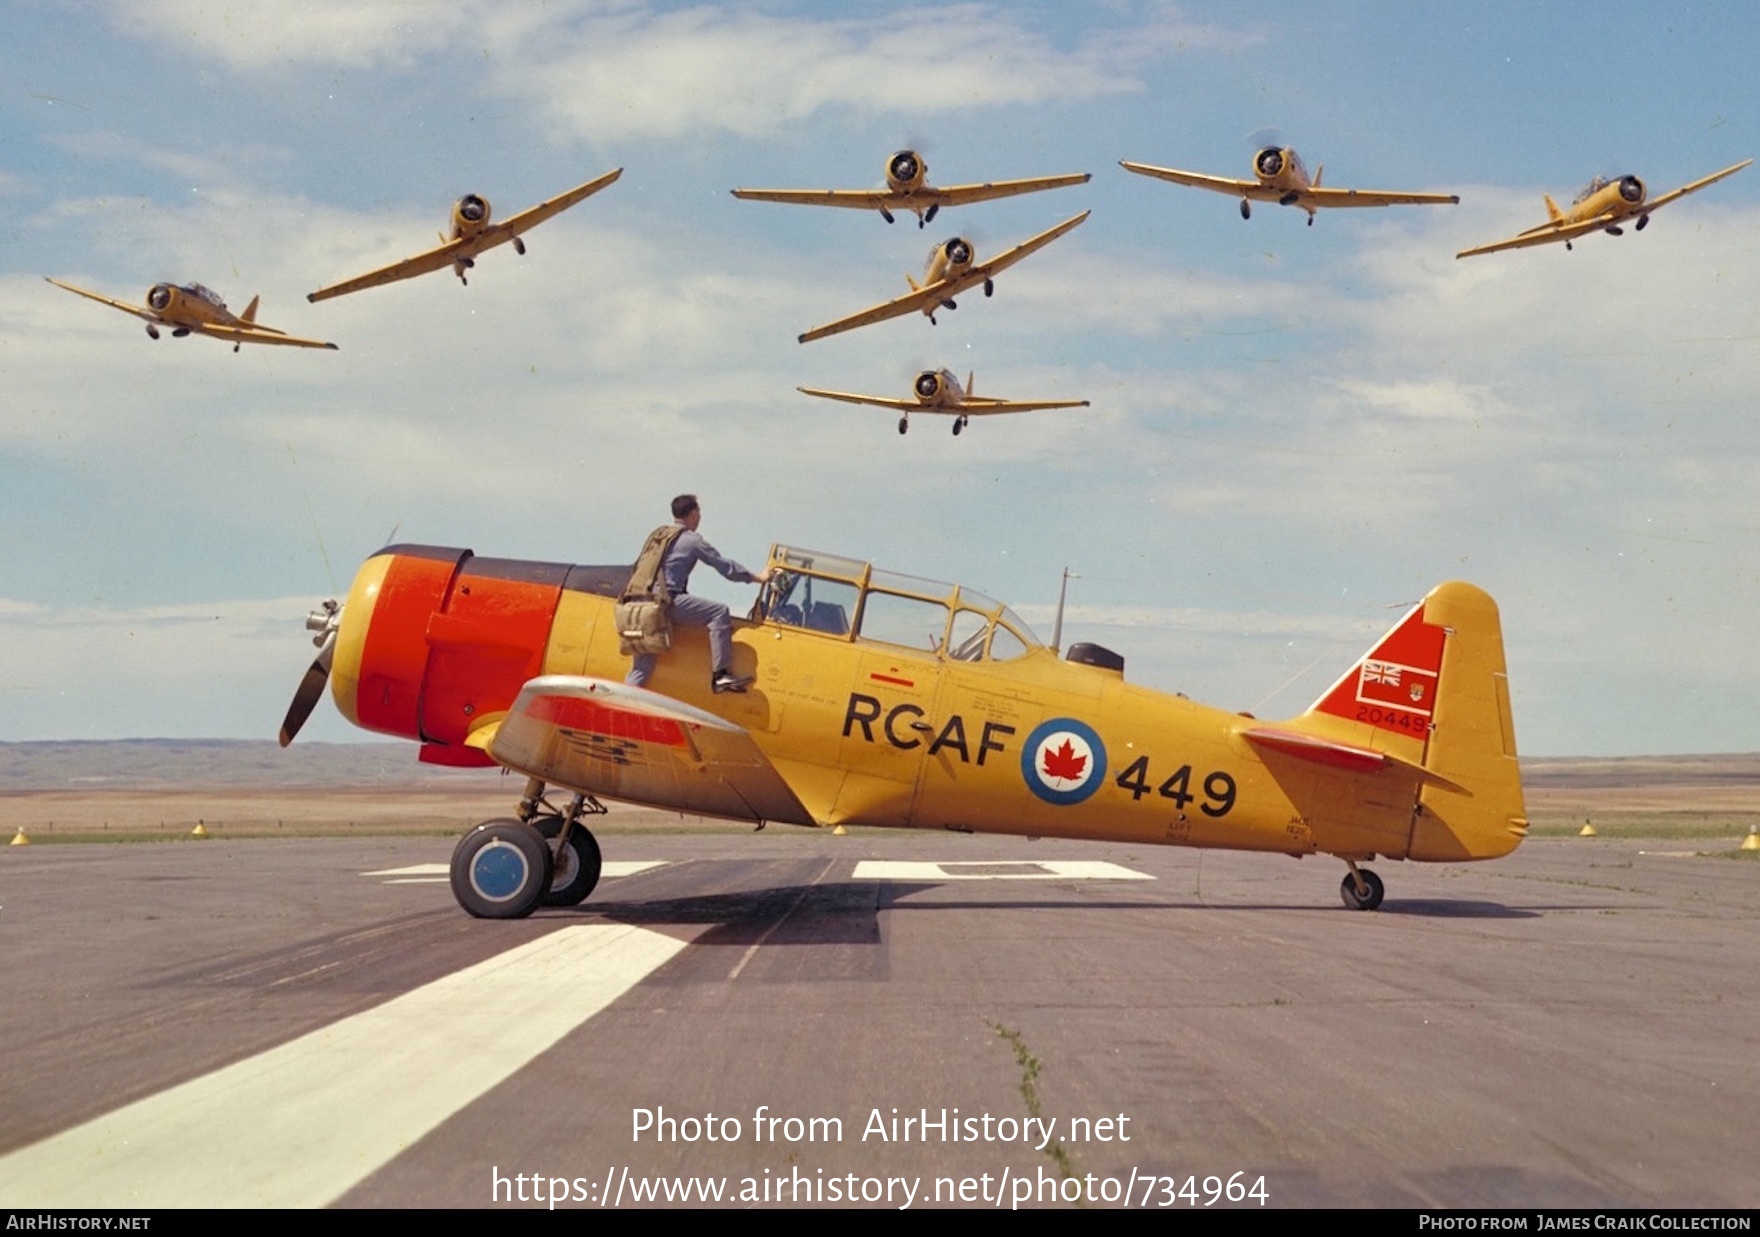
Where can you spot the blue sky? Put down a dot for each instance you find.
(1295, 431)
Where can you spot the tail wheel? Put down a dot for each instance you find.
(500, 870)
(1358, 900)
(576, 870)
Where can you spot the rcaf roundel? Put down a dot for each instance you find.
(1063, 761)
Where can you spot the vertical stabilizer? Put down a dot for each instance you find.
(1479, 814)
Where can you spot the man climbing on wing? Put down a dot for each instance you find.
(681, 548)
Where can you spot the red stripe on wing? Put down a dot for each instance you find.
(578, 714)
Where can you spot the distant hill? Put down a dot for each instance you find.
(161, 764)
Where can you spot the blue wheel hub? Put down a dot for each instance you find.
(499, 871)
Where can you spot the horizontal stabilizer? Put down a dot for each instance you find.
(1343, 755)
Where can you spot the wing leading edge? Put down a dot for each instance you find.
(1312, 194)
(628, 743)
(972, 406)
(926, 195)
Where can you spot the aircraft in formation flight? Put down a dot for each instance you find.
(191, 309)
(905, 190)
(937, 390)
(951, 269)
(1601, 207)
(1280, 177)
(472, 233)
(880, 699)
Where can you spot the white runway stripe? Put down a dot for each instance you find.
(298, 1125)
(1001, 870)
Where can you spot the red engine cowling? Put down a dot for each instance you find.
(434, 639)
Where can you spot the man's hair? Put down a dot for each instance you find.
(683, 505)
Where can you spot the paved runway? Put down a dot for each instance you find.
(312, 1022)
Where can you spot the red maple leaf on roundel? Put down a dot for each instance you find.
(1063, 763)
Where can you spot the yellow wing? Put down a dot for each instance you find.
(878, 401)
(507, 229)
(980, 406)
(256, 335)
(925, 195)
(1545, 234)
(920, 299)
(972, 406)
(138, 311)
(1313, 195)
(1697, 185)
(409, 268)
(628, 743)
(466, 247)
(1199, 180)
(1376, 197)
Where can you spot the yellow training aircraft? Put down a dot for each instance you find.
(950, 271)
(472, 233)
(1281, 178)
(1601, 207)
(905, 190)
(937, 390)
(190, 309)
(879, 699)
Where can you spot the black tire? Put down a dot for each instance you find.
(1246, 209)
(577, 873)
(904, 423)
(959, 423)
(500, 870)
(1354, 900)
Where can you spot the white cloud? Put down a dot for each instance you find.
(348, 33)
(617, 71)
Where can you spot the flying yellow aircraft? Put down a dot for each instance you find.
(905, 190)
(937, 390)
(190, 309)
(1601, 207)
(1281, 178)
(880, 699)
(950, 270)
(472, 233)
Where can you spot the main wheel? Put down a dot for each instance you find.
(1246, 209)
(576, 873)
(904, 423)
(1355, 900)
(959, 423)
(500, 870)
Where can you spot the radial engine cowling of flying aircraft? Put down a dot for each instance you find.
(1268, 162)
(905, 171)
(469, 214)
(950, 258)
(929, 387)
(1631, 189)
(161, 297)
